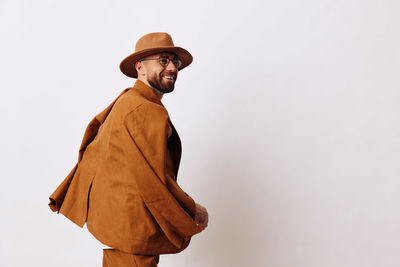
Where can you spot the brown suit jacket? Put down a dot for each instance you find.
(124, 183)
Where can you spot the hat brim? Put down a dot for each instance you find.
(127, 65)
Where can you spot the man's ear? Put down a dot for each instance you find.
(139, 68)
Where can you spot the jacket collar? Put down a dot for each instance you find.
(91, 130)
(146, 91)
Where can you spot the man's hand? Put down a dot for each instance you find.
(201, 217)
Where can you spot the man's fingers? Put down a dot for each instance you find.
(201, 217)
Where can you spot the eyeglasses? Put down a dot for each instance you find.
(164, 61)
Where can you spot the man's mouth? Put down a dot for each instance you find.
(168, 77)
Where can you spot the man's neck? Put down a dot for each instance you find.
(158, 93)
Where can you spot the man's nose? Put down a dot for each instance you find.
(171, 66)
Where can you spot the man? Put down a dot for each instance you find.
(124, 183)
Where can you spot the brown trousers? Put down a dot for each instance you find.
(117, 258)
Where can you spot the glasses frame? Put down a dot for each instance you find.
(177, 65)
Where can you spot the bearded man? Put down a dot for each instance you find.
(124, 185)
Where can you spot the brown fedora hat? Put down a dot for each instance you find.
(153, 43)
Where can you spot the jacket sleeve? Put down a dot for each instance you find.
(148, 128)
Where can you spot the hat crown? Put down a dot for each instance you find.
(152, 40)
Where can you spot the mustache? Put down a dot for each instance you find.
(170, 73)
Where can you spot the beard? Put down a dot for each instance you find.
(162, 84)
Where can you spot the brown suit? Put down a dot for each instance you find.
(124, 184)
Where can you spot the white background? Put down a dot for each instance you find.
(289, 119)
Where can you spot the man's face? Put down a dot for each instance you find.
(158, 76)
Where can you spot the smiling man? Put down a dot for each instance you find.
(124, 185)
(160, 76)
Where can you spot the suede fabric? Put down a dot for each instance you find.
(153, 43)
(116, 258)
(124, 183)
